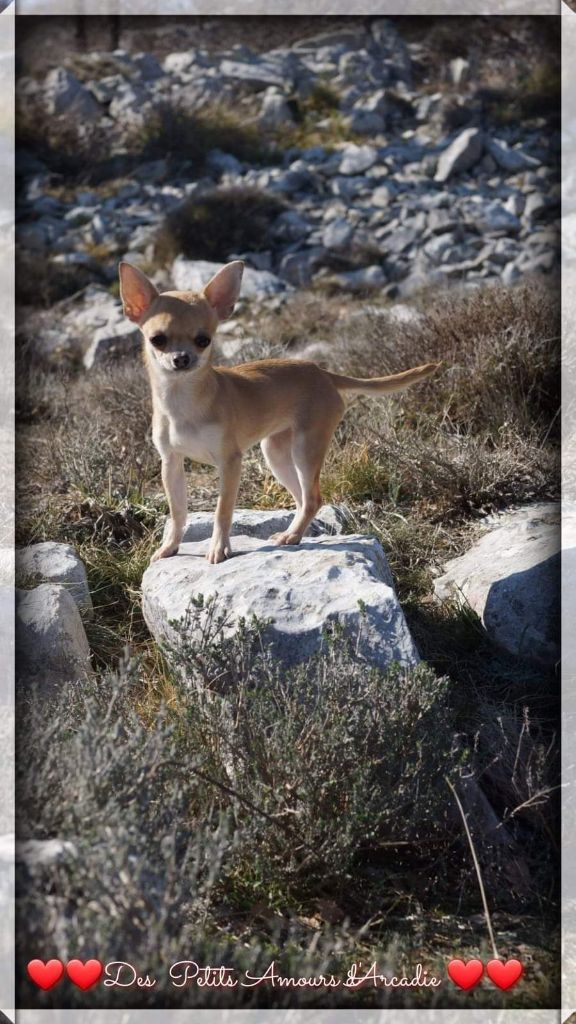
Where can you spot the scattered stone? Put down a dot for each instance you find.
(193, 275)
(129, 105)
(511, 578)
(492, 217)
(218, 163)
(64, 94)
(317, 351)
(512, 160)
(56, 563)
(515, 204)
(396, 242)
(510, 274)
(382, 195)
(303, 589)
(536, 206)
(366, 122)
(459, 70)
(179, 63)
(357, 159)
(51, 644)
(442, 220)
(148, 67)
(42, 853)
(290, 226)
(367, 279)
(259, 74)
(275, 111)
(368, 195)
(117, 339)
(297, 268)
(338, 234)
(461, 154)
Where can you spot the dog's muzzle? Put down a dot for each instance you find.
(182, 361)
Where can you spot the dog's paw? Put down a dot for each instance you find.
(286, 538)
(164, 552)
(218, 553)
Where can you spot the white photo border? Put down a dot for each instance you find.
(567, 1013)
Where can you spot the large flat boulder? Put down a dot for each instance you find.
(263, 523)
(302, 589)
(511, 578)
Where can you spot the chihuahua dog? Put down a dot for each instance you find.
(213, 414)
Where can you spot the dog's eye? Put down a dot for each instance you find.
(158, 340)
(203, 341)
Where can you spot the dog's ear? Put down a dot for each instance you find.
(136, 291)
(223, 289)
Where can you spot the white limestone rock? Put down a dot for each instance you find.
(511, 578)
(51, 644)
(64, 94)
(461, 154)
(56, 563)
(275, 111)
(357, 159)
(249, 522)
(193, 275)
(302, 589)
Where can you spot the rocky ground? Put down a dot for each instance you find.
(409, 182)
(393, 190)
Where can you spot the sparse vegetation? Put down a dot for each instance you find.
(172, 132)
(318, 121)
(250, 820)
(40, 281)
(223, 220)
(169, 132)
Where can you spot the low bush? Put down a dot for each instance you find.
(40, 281)
(259, 815)
(174, 132)
(260, 791)
(218, 224)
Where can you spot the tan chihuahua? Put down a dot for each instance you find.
(213, 414)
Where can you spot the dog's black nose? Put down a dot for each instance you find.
(181, 361)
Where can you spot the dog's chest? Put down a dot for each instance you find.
(201, 442)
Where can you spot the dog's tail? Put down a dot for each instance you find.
(383, 385)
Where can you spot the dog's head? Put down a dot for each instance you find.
(178, 327)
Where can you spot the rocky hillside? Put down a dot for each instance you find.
(348, 160)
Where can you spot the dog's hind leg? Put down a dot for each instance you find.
(308, 453)
(277, 451)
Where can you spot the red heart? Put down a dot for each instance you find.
(466, 975)
(506, 974)
(46, 975)
(84, 975)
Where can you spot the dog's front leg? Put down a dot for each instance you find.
(174, 480)
(229, 481)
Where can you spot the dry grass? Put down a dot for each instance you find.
(418, 470)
